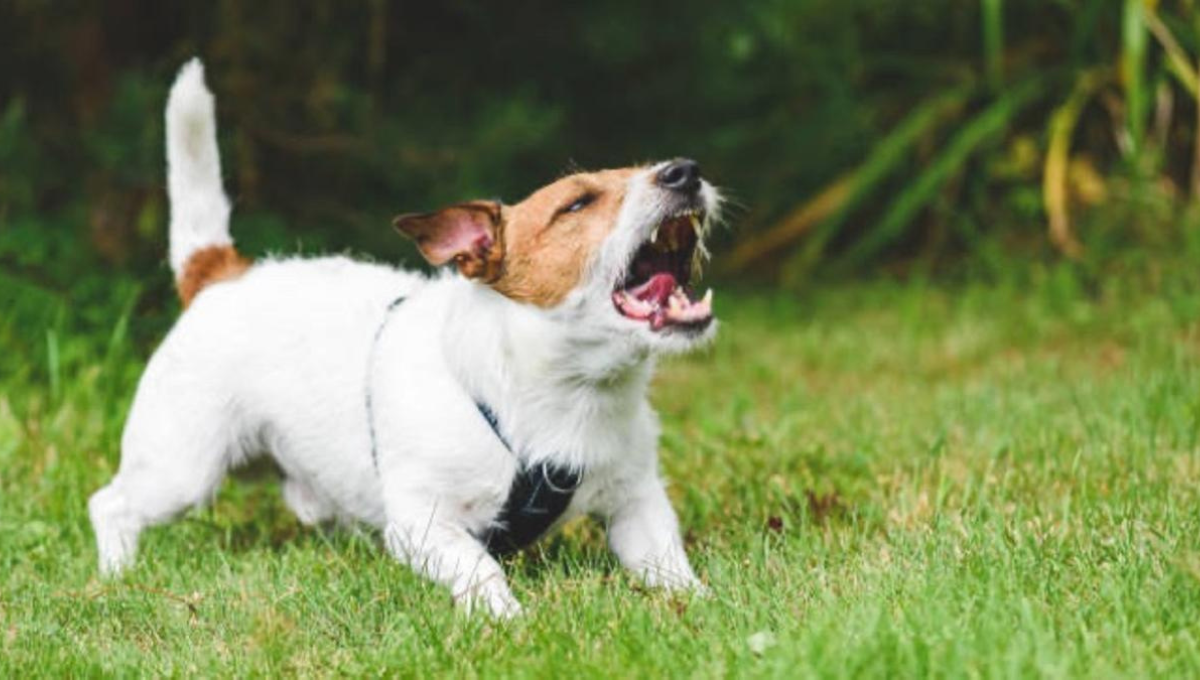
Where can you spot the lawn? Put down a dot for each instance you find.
(876, 479)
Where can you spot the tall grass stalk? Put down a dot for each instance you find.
(1054, 175)
(1133, 65)
(993, 43)
(1178, 62)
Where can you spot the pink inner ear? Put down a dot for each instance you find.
(458, 232)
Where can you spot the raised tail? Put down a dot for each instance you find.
(201, 249)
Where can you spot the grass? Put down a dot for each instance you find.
(875, 479)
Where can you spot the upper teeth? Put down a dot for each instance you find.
(693, 219)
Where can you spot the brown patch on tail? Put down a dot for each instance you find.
(208, 266)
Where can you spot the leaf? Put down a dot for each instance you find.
(1058, 156)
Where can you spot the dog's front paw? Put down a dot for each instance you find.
(671, 574)
(492, 597)
(676, 582)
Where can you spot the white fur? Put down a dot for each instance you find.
(281, 362)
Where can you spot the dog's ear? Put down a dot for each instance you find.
(470, 234)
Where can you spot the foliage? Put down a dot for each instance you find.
(335, 116)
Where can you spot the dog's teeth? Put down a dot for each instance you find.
(707, 299)
(695, 222)
(654, 234)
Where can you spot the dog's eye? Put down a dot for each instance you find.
(578, 204)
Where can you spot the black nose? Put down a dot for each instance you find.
(681, 174)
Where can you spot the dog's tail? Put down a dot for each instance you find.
(201, 250)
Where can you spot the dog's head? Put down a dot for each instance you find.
(612, 252)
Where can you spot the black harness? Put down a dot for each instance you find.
(539, 494)
(537, 498)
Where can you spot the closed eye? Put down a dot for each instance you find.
(579, 203)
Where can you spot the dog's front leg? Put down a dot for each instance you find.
(450, 555)
(644, 533)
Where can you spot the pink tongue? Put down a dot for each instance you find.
(657, 289)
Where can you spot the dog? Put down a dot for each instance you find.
(464, 414)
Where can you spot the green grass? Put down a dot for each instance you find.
(875, 480)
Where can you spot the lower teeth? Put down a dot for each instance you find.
(678, 308)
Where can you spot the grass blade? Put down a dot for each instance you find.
(53, 363)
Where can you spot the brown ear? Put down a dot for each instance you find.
(468, 233)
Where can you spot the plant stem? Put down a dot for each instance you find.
(993, 43)
(1133, 62)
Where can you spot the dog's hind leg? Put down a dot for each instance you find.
(174, 453)
(308, 506)
(116, 527)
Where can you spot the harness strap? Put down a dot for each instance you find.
(387, 315)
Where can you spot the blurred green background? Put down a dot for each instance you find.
(980, 139)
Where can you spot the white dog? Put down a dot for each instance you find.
(463, 414)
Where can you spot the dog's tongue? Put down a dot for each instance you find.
(662, 303)
(657, 289)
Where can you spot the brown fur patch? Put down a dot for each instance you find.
(535, 251)
(208, 266)
(545, 250)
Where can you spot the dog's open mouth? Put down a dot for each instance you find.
(656, 287)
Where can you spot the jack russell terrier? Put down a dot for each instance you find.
(465, 414)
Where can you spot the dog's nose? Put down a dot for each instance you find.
(681, 174)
